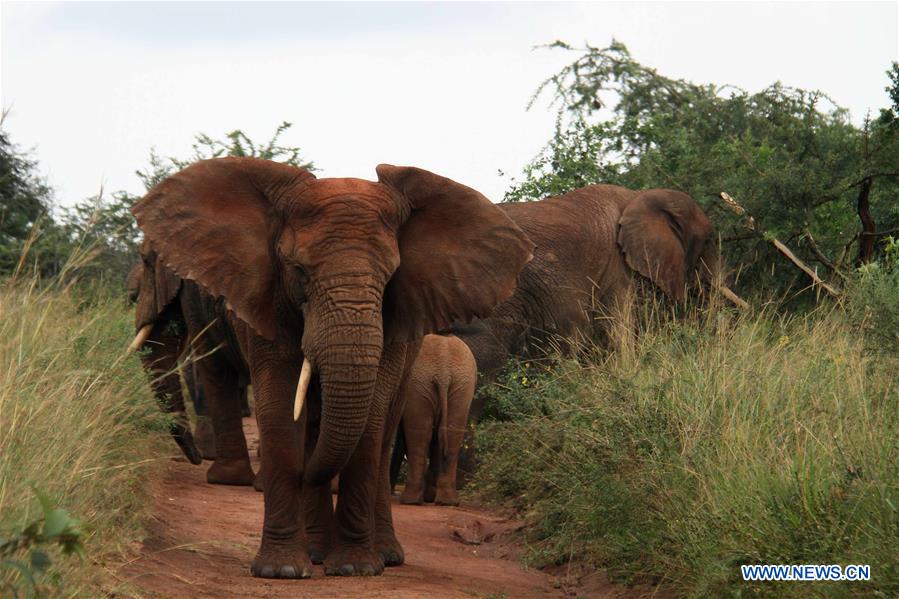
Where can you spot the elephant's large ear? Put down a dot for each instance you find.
(459, 255)
(214, 223)
(662, 233)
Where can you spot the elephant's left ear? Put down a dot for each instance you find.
(662, 234)
(460, 255)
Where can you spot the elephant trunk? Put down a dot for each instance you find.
(346, 362)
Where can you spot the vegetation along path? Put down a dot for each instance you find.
(202, 538)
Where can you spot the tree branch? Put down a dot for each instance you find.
(866, 239)
(783, 249)
(872, 176)
(819, 255)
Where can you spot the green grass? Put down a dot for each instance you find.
(77, 423)
(716, 440)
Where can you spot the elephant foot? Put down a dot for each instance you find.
(447, 497)
(230, 472)
(282, 562)
(430, 494)
(205, 437)
(390, 550)
(353, 561)
(411, 497)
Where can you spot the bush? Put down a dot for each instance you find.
(79, 424)
(717, 441)
(873, 301)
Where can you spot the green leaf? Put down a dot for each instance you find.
(40, 561)
(45, 502)
(56, 522)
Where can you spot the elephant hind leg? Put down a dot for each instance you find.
(418, 440)
(435, 460)
(446, 493)
(232, 459)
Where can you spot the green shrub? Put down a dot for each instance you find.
(873, 300)
(78, 422)
(717, 441)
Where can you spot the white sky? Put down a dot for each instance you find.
(93, 86)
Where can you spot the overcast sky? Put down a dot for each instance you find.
(93, 86)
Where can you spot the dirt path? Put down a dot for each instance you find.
(203, 537)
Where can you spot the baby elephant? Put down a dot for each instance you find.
(438, 396)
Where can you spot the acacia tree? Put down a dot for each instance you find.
(107, 222)
(790, 156)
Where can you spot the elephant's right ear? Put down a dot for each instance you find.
(214, 223)
(662, 233)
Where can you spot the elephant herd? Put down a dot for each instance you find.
(324, 295)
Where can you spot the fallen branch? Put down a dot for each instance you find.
(751, 223)
(819, 255)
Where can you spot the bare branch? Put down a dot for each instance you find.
(783, 249)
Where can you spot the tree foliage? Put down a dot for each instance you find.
(101, 227)
(790, 156)
(26, 201)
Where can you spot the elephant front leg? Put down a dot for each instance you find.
(353, 552)
(363, 546)
(386, 543)
(283, 552)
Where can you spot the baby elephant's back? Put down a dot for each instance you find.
(446, 360)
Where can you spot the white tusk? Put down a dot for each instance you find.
(736, 299)
(302, 386)
(142, 335)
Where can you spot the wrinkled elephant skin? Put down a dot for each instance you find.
(438, 396)
(347, 275)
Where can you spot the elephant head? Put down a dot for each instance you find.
(153, 288)
(667, 238)
(340, 266)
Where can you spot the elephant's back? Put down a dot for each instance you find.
(575, 234)
(446, 358)
(576, 259)
(584, 214)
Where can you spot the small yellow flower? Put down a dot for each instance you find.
(784, 339)
(524, 381)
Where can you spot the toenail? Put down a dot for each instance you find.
(288, 572)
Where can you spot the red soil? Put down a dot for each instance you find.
(203, 537)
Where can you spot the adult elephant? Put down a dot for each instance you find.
(160, 325)
(341, 277)
(171, 315)
(592, 245)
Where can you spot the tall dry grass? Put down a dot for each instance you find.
(714, 440)
(77, 422)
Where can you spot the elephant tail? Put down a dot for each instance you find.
(442, 392)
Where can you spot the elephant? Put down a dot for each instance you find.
(159, 322)
(438, 396)
(327, 286)
(592, 246)
(170, 315)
